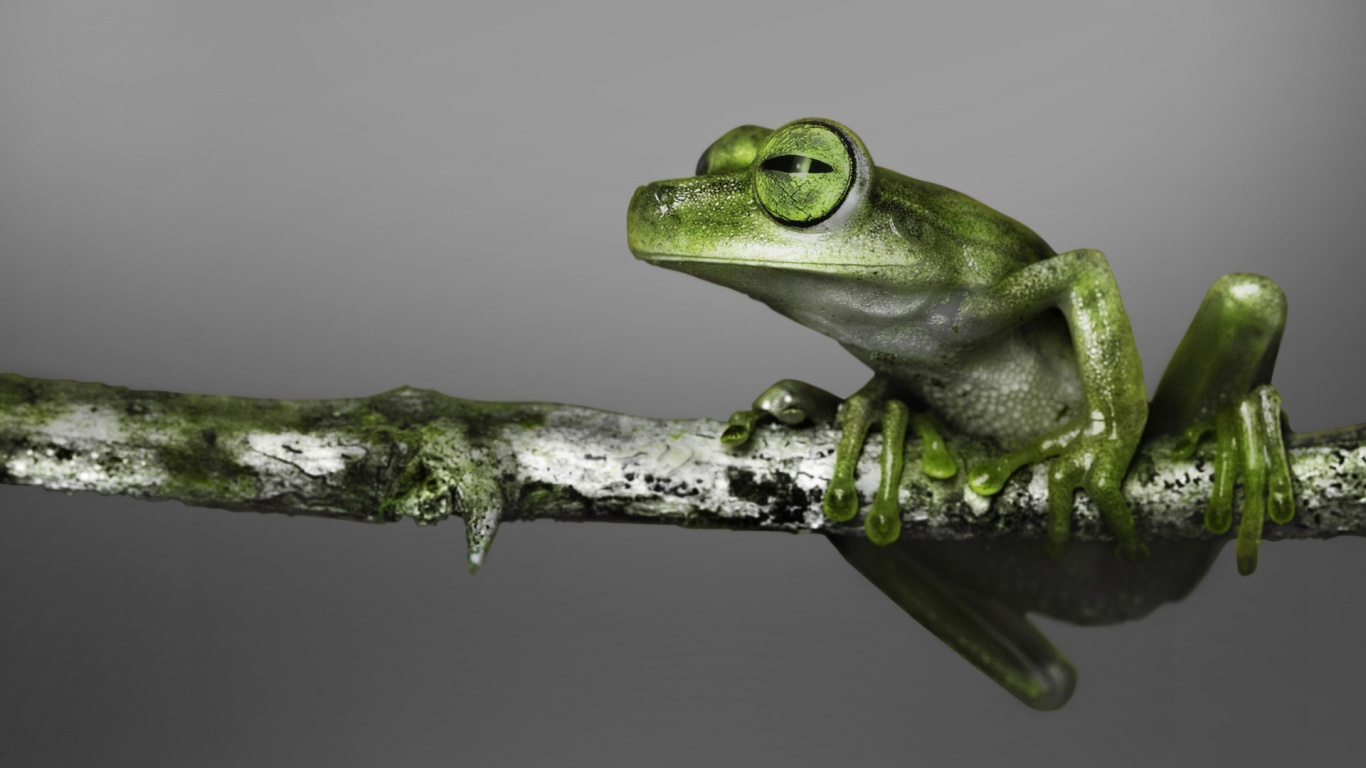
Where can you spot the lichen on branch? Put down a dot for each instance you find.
(419, 454)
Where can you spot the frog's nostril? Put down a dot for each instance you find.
(664, 197)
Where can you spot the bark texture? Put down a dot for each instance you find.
(412, 453)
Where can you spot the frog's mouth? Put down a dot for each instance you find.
(699, 264)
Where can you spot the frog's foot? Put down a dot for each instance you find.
(856, 415)
(1085, 455)
(1248, 443)
(862, 410)
(794, 403)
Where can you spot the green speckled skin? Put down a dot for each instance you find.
(969, 319)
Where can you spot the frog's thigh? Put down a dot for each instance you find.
(1229, 350)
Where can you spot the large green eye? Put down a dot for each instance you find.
(805, 172)
(734, 151)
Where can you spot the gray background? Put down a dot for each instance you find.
(287, 199)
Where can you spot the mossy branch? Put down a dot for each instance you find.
(413, 453)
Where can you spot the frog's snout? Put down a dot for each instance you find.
(655, 197)
(688, 217)
(634, 224)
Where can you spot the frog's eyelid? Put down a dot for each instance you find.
(796, 164)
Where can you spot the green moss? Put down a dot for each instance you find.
(34, 401)
(197, 469)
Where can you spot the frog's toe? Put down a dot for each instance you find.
(1064, 477)
(841, 499)
(1280, 504)
(1105, 486)
(1190, 440)
(739, 427)
(883, 524)
(1280, 498)
(935, 460)
(988, 476)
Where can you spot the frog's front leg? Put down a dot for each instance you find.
(1092, 452)
(794, 402)
(1219, 381)
(789, 401)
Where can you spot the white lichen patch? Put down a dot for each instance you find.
(317, 456)
(82, 426)
(645, 458)
(65, 454)
(978, 504)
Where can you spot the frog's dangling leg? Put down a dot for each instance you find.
(1219, 381)
(994, 637)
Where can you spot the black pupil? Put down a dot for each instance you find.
(795, 164)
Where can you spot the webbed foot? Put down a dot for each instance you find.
(1248, 444)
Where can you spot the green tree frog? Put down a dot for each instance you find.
(972, 324)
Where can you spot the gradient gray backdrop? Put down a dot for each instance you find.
(288, 199)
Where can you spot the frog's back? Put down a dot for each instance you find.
(946, 221)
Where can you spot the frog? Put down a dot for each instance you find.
(974, 326)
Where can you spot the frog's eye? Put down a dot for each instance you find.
(733, 151)
(805, 173)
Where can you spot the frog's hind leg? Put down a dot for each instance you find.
(1219, 380)
(993, 636)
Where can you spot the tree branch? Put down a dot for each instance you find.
(423, 455)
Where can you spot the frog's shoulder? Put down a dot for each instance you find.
(977, 230)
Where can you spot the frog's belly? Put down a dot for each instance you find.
(1014, 389)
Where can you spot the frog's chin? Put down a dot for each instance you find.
(814, 295)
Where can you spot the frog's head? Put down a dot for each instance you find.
(783, 216)
(757, 192)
